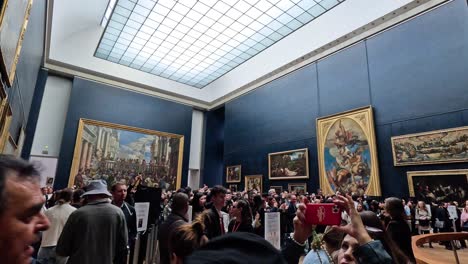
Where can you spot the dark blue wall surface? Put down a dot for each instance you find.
(101, 102)
(415, 76)
(22, 90)
(214, 147)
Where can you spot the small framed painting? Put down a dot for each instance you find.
(299, 188)
(233, 173)
(50, 181)
(287, 165)
(278, 189)
(254, 182)
(233, 187)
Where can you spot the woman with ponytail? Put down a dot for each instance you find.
(187, 238)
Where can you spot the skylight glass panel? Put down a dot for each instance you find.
(196, 42)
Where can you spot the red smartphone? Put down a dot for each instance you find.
(323, 214)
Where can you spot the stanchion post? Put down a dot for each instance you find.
(136, 250)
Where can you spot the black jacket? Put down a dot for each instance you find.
(173, 221)
(213, 224)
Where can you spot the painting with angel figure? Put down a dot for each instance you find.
(124, 154)
(347, 153)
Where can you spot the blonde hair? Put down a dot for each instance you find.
(188, 237)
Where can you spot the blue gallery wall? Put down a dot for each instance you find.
(21, 92)
(415, 76)
(101, 102)
(214, 147)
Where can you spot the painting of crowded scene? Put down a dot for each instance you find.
(127, 155)
(292, 164)
(434, 187)
(441, 146)
(347, 154)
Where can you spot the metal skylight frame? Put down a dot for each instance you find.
(196, 42)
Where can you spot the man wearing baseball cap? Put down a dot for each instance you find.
(96, 233)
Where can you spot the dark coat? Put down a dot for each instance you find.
(173, 221)
(399, 231)
(243, 227)
(213, 223)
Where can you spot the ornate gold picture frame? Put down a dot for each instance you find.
(433, 147)
(233, 173)
(439, 185)
(347, 153)
(233, 187)
(289, 165)
(278, 189)
(299, 188)
(119, 153)
(254, 182)
(13, 23)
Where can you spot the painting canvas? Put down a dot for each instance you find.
(118, 153)
(291, 164)
(439, 186)
(13, 23)
(233, 187)
(233, 173)
(254, 182)
(347, 153)
(299, 188)
(50, 181)
(440, 146)
(278, 189)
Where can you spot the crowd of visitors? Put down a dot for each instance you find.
(98, 224)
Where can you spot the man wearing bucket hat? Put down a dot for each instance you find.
(95, 233)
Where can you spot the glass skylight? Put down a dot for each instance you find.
(107, 14)
(196, 42)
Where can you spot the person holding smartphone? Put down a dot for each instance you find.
(357, 246)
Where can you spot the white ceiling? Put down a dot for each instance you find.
(74, 32)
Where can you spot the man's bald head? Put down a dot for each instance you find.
(180, 203)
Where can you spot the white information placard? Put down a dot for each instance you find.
(452, 210)
(47, 167)
(190, 213)
(272, 229)
(142, 212)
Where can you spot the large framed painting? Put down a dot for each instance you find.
(13, 22)
(439, 185)
(254, 182)
(233, 173)
(118, 153)
(287, 165)
(347, 153)
(439, 146)
(298, 188)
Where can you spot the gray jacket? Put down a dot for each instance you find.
(95, 234)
